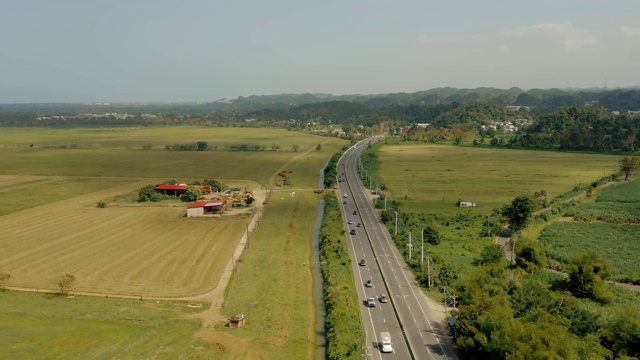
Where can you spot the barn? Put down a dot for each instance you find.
(204, 208)
(180, 189)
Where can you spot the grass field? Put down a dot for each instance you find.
(618, 243)
(117, 152)
(273, 285)
(431, 178)
(46, 326)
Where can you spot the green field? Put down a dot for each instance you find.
(431, 178)
(46, 326)
(117, 152)
(618, 243)
(272, 286)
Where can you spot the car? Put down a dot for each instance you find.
(355, 212)
(371, 302)
(352, 232)
(383, 298)
(345, 196)
(363, 262)
(345, 202)
(369, 283)
(359, 225)
(350, 221)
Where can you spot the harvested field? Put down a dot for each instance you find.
(146, 250)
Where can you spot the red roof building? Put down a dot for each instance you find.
(179, 190)
(204, 208)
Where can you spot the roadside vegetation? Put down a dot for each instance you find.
(345, 334)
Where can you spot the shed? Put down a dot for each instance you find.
(464, 203)
(236, 321)
(204, 208)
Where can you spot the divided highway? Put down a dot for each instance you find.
(416, 325)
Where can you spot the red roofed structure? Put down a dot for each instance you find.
(204, 208)
(179, 190)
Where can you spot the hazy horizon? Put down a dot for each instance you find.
(161, 51)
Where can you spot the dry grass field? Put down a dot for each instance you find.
(136, 250)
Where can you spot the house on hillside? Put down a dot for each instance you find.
(207, 208)
(180, 189)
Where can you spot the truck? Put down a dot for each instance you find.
(385, 342)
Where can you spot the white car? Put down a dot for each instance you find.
(350, 221)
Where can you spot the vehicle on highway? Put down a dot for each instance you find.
(344, 202)
(385, 342)
(352, 232)
(355, 212)
(363, 262)
(371, 302)
(350, 221)
(369, 283)
(359, 225)
(383, 298)
(344, 196)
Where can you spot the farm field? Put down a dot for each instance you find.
(432, 178)
(618, 243)
(46, 326)
(149, 250)
(117, 152)
(609, 225)
(52, 226)
(24, 192)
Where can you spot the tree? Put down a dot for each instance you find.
(66, 283)
(295, 148)
(249, 200)
(587, 272)
(530, 256)
(319, 147)
(215, 184)
(431, 235)
(629, 166)
(192, 194)
(148, 194)
(491, 254)
(518, 212)
(202, 145)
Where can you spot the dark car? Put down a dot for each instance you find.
(355, 212)
(352, 232)
(363, 262)
(359, 225)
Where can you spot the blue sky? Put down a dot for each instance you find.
(196, 50)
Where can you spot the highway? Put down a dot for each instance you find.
(416, 325)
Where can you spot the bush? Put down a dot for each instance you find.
(102, 204)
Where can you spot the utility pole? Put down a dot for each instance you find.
(428, 273)
(396, 231)
(422, 249)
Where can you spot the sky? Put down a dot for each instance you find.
(205, 50)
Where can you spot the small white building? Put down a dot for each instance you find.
(464, 203)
